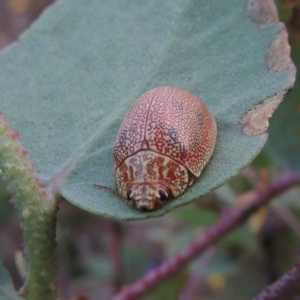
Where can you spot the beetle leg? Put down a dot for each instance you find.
(191, 180)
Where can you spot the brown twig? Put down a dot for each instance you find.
(285, 288)
(228, 221)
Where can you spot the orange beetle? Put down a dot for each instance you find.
(164, 142)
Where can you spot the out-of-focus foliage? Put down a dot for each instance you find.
(284, 139)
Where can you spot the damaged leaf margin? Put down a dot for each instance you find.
(263, 12)
(256, 120)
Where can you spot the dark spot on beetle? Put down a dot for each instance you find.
(197, 138)
(173, 134)
(179, 106)
(163, 195)
(133, 128)
(129, 194)
(200, 118)
(122, 138)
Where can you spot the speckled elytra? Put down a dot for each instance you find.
(164, 142)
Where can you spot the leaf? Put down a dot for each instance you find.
(284, 141)
(68, 83)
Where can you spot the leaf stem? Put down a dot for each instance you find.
(37, 210)
(228, 221)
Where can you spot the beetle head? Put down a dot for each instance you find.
(147, 196)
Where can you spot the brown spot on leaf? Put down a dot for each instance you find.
(256, 120)
(278, 57)
(263, 12)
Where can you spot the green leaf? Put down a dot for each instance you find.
(67, 85)
(284, 140)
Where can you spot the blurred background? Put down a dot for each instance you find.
(96, 256)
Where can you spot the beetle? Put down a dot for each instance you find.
(163, 144)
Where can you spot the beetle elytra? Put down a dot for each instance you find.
(164, 142)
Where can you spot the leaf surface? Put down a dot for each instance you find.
(68, 83)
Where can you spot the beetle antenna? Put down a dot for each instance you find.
(107, 188)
